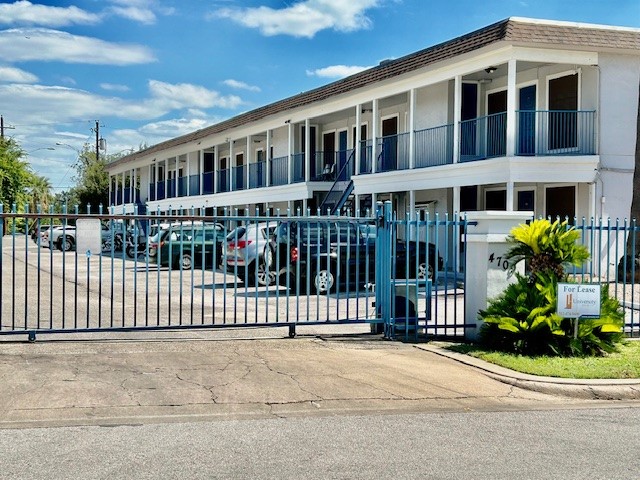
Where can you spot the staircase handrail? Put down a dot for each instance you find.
(337, 180)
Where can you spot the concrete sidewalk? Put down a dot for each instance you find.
(174, 378)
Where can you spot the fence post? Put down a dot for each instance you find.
(486, 267)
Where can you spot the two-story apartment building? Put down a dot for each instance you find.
(520, 115)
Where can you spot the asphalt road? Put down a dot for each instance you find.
(551, 444)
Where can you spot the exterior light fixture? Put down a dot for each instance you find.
(490, 69)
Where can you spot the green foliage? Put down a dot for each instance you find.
(92, 183)
(547, 247)
(15, 175)
(523, 318)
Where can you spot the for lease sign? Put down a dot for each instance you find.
(578, 299)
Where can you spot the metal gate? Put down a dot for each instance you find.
(78, 272)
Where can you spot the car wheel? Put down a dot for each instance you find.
(266, 276)
(186, 261)
(425, 272)
(323, 281)
(66, 243)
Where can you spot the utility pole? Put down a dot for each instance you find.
(2, 127)
(100, 143)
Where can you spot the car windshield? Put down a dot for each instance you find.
(236, 234)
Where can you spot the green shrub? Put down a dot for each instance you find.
(523, 318)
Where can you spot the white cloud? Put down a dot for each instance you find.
(185, 95)
(303, 18)
(40, 44)
(38, 104)
(142, 15)
(241, 85)
(143, 11)
(25, 12)
(114, 87)
(336, 71)
(173, 128)
(16, 75)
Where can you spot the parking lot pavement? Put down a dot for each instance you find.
(182, 377)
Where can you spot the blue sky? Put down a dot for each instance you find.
(150, 70)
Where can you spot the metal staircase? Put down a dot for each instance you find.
(341, 189)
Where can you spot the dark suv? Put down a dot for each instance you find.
(320, 255)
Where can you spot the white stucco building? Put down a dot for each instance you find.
(520, 115)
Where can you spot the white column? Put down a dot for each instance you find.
(166, 177)
(149, 182)
(486, 243)
(216, 166)
(412, 134)
(124, 180)
(201, 170)
(134, 182)
(374, 135)
(307, 152)
(268, 158)
(510, 197)
(110, 190)
(248, 161)
(357, 140)
(289, 153)
(175, 176)
(457, 115)
(511, 108)
(231, 175)
(155, 177)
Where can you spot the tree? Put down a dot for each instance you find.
(40, 194)
(15, 174)
(92, 181)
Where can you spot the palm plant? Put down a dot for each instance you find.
(524, 320)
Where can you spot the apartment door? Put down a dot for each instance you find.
(497, 124)
(342, 156)
(527, 121)
(239, 171)
(389, 154)
(468, 114)
(563, 106)
(329, 147)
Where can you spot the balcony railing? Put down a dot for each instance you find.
(393, 152)
(122, 196)
(366, 156)
(207, 183)
(223, 180)
(280, 171)
(483, 137)
(434, 146)
(538, 133)
(298, 167)
(555, 132)
(258, 174)
(239, 177)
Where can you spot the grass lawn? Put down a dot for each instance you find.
(625, 364)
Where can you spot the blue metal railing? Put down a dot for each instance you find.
(171, 188)
(223, 180)
(280, 171)
(434, 146)
(366, 156)
(183, 185)
(555, 132)
(258, 174)
(298, 167)
(207, 183)
(483, 137)
(318, 271)
(194, 185)
(239, 179)
(393, 152)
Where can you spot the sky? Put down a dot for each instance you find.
(151, 70)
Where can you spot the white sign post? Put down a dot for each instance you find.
(577, 300)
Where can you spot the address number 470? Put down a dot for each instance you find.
(499, 262)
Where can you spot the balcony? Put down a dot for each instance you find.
(239, 177)
(555, 132)
(258, 174)
(280, 171)
(223, 180)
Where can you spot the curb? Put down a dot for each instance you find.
(597, 389)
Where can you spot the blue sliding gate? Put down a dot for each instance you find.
(403, 278)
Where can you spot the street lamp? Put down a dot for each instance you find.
(41, 148)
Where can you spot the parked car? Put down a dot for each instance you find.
(321, 255)
(184, 246)
(245, 247)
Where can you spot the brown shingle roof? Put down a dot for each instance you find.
(513, 30)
